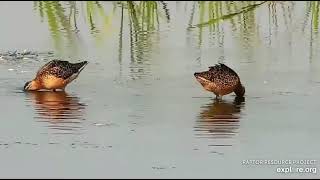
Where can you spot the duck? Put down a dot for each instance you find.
(221, 80)
(54, 75)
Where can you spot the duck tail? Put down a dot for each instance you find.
(240, 90)
(79, 66)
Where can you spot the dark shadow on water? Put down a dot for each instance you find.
(62, 112)
(219, 121)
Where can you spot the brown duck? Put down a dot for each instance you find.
(56, 74)
(221, 80)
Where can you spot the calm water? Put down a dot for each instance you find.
(137, 111)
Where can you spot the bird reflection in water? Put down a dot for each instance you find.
(62, 111)
(219, 121)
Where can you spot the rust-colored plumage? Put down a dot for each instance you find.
(221, 80)
(56, 74)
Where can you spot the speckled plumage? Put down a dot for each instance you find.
(221, 80)
(60, 69)
(56, 74)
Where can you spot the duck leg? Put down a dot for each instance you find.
(218, 97)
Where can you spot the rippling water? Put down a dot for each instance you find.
(219, 121)
(60, 111)
(136, 110)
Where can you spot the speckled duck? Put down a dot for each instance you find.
(221, 80)
(56, 74)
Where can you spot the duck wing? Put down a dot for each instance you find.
(61, 69)
(223, 76)
(46, 67)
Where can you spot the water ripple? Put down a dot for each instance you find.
(62, 111)
(219, 121)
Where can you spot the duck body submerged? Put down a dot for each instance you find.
(221, 80)
(56, 74)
